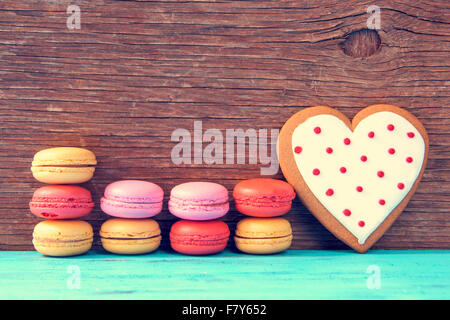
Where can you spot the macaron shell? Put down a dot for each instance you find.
(192, 211)
(210, 192)
(130, 210)
(199, 230)
(266, 210)
(199, 248)
(59, 211)
(134, 191)
(264, 189)
(63, 175)
(63, 230)
(263, 228)
(61, 249)
(131, 246)
(61, 202)
(130, 228)
(63, 156)
(263, 246)
(62, 193)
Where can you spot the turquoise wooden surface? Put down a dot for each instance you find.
(228, 275)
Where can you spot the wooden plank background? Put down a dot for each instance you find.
(137, 70)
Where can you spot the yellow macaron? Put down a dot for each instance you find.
(263, 235)
(63, 165)
(61, 238)
(130, 236)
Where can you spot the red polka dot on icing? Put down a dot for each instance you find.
(401, 186)
(391, 150)
(347, 212)
(329, 192)
(317, 130)
(382, 202)
(371, 134)
(298, 149)
(359, 188)
(316, 172)
(410, 134)
(363, 158)
(409, 159)
(343, 169)
(347, 141)
(390, 127)
(361, 223)
(329, 150)
(380, 174)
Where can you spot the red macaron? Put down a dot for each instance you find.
(199, 237)
(61, 202)
(263, 197)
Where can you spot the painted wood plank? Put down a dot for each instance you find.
(294, 274)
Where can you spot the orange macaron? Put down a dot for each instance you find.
(130, 236)
(263, 235)
(199, 237)
(60, 238)
(63, 165)
(263, 197)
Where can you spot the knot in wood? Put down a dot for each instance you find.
(361, 43)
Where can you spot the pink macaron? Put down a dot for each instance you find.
(133, 199)
(61, 202)
(199, 201)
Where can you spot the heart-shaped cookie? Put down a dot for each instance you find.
(355, 177)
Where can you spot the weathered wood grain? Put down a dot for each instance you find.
(137, 70)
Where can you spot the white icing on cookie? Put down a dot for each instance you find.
(360, 176)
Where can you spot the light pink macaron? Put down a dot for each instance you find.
(199, 201)
(133, 199)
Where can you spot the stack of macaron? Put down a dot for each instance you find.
(264, 201)
(199, 205)
(131, 203)
(61, 201)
